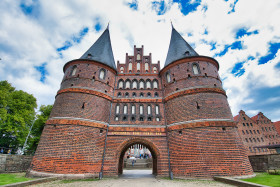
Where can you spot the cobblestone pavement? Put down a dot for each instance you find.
(134, 178)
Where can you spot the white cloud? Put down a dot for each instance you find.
(27, 41)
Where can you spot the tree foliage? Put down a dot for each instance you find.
(38, 127)
(17, 111)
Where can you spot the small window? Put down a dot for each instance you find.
(133, 94)
(146, 66)
(157, 119)
(157, 109)
(116, 118)
(149, 119)
(130, 66)
(117, 109)
(141, 119)
(156, 94)
(155, 84)
(134, 84)
(120, 84)
(93, 79)
(122, 69)
(127, 84)
(125, 109)
(148, 84)
(141, 109)
(102, 74)
(74, 70)
(141, 94)
(126, 94)
(133, 109)
(155, 70)
(148, 94)
(141, 85)
(138, 66)
(119, 94)
(138, 56)
(195, 69)
(168, 77)
(149, 109)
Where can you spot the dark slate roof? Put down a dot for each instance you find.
(101, 50)
(178, 48)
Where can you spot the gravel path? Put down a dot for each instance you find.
(132, 178)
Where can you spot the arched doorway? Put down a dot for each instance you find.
(130, 143)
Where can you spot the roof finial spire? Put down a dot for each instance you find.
(171, 23)
(108, 25)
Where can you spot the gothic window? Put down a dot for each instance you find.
(156, 94)
(125, 109)
(126, 94)
(122, 69)
(148, 94)
(155, 70)
(138, 57)
(130, 66)
(141, 84)
(134, 84)
(141, 94)
(119, 94)
(127, 84)
(149, 110)
(155, 84)
(133, 94)
(146, 66)
(195, 69)
(117, 109)
(120, 84)
(74, 70)
(141, 109)
(148, 84)
(102, 74)
(157, 119)
(157, 109)
(133, 109)
(138, 66)
(168, 77)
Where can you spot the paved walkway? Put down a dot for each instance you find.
(136, 178)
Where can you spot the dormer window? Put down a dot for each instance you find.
(89, 56)
(187, 53)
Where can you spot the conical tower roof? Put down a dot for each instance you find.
(178, 48)
(101, 50)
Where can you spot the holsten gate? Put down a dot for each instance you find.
(180, 113)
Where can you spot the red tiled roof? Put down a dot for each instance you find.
(255, 118)
(236, 118)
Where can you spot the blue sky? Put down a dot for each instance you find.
(38, 37)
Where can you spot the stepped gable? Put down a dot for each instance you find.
(178, 48)
(101, 50)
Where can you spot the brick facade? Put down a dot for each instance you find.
(100, 112)
(257, 131)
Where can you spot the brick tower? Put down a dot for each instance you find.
(180, 113)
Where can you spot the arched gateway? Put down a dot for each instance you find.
(179, 113)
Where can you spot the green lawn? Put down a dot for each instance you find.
(265, 179)
(9, 178)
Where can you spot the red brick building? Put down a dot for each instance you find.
(277, 127)
(180, 113)
(256, 132)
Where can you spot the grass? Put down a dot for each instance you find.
(9, 178)
(77, 180)
(265, 179)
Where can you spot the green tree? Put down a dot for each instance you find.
(38, 127)
(17, 111)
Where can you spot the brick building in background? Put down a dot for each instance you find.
(257, 133)
(180, 113)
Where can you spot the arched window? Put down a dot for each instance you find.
(157, 109)
(148, 94)
(156, 94)
(138, 66)
(133, 94)
(117, 109)
(155, 84)
(195, 69)
(134, 84)
(146, 66)
(120, 84)
(119, 94)
(125, 109)
(138, 57)
(126, 94)
(149, 110)
(141, 94)
(133, 109)
(168, 77)
(122, 69)
(141, 109)
(127, 84)
(130, 66)
(155, 70)
(74, 70)
(148, 84)
(102, 74)
(141, 84)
